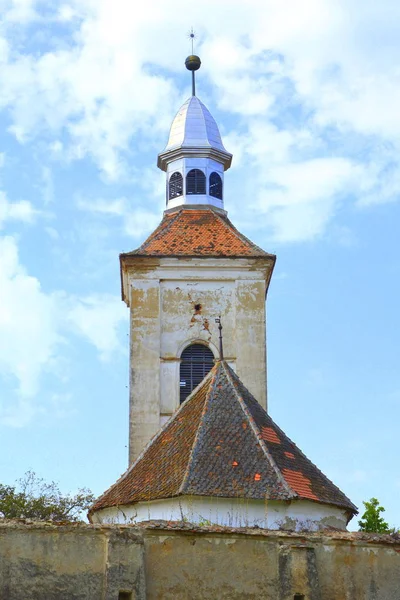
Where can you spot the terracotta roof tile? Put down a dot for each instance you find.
(290, 455)
(269, 435)
(299, 483)
(221, 442)
(202, 232)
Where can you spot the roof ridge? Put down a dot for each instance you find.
(311, 462)
(227, 222)
(198, 231)
(196, 437)
(203, 120)
(143, 452)
(257, 433)
(135, 462)
(155, 237)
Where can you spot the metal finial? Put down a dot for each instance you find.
(221, 349)
(192, 37)
(193, 62)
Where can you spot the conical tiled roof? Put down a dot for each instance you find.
(204, 232)
(222, 443)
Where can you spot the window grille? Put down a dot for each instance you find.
(175, 185)
(196, 361)
(195, 182)
(216, 186)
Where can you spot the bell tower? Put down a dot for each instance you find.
(194, 268)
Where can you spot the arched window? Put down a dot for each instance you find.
(175, 185)
(195, 182)
(196, 361)
(216, 185)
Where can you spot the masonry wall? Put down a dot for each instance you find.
(46, 562)
(179, 562)
(173, 303)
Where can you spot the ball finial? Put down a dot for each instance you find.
(193, 63)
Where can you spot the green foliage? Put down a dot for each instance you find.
(33, 498)
(371, 521)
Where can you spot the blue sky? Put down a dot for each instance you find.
(307, 101)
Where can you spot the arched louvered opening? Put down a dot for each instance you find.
(195, 182)
(215, 186)
(196, 361)
(175, 187)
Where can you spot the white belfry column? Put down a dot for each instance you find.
(195, 158)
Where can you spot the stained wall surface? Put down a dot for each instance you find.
(272, 567)
(176, 561)
(70, 562)
(173, 303)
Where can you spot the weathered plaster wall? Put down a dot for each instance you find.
(231, 512)
(47, 562)
(271, 566)
(176, 561)
(144, 406)
(174, 302)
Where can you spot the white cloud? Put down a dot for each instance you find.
(97, 318)
(28, 322)
(20, 11)
(115, 207)
(34, 325)
(302, 197)
(135, 221)
(15, 211)
(140, 222)
(307, 82)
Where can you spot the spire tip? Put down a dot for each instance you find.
(193, 62)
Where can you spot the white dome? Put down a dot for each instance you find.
(194, 127)
(194, 134)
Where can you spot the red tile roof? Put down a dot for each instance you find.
(221, 442)
(299, 483)
(197, 232)
(269, 435)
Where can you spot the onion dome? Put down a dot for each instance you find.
(194, 132)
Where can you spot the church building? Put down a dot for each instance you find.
(202, 446)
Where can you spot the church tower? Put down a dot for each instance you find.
(194, 268)
(202, 446)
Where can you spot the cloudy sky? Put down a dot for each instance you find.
(307, 99)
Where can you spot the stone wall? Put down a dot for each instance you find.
(177, 561)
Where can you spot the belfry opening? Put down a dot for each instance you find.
(197, 360)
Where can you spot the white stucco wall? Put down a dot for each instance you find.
(232, 512)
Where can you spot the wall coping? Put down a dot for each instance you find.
(139, 530)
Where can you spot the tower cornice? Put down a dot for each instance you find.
(168, 156)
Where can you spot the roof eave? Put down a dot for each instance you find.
(130, 258)
(216, 154)
(350, 509)
(273, 261)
